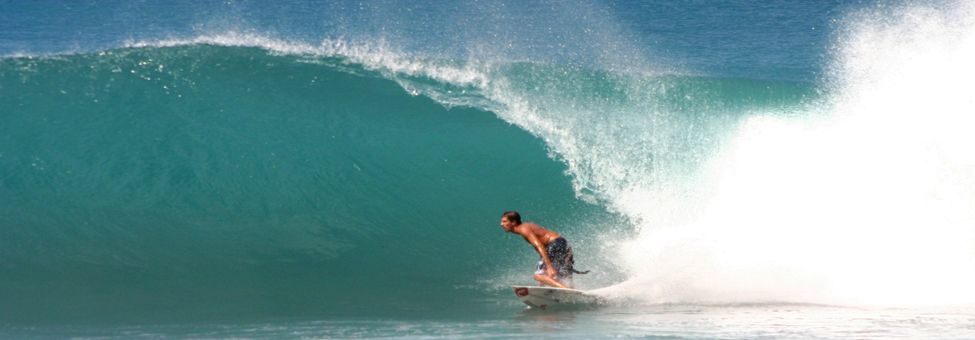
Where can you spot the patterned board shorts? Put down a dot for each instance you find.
(560, 254)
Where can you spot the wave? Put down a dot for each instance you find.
(241, 175)
(204, 181)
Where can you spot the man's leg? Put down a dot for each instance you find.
(545, 280)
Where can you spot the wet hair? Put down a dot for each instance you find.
(512, 216)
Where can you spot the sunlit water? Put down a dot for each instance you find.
(663, 321)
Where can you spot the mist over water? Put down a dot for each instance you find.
(862, 198)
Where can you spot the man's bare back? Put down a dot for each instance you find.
(544, 235)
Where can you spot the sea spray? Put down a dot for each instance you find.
(865, 198)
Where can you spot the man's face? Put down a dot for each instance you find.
(506, 224)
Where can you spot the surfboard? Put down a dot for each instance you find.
(551, 297)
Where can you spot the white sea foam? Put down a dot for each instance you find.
(867, 200)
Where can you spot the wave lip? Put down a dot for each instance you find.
(376, 55)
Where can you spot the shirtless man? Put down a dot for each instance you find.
(556, 255)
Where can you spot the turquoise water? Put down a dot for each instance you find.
(225, 181)
(335, 170)
(656, 322)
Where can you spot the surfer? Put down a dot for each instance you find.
(556, 264)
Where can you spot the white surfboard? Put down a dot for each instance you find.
(551, 297)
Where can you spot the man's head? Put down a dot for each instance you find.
(509, 220)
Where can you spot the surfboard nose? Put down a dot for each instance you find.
(521, 291)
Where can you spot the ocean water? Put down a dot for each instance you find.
(337, 169)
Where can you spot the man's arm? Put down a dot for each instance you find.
(540, 248)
